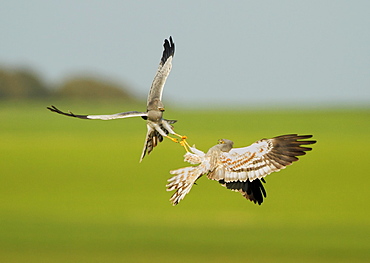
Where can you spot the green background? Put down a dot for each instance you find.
(74, 191)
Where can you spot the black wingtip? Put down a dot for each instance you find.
(253, 191)
(169, 49)
(52, 108)
(172, 44)
(70, 114)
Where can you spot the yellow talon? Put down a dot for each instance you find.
(173, 139)
(183, 141)
(185, 145)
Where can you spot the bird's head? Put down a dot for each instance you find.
(225, 145)
(156, 104)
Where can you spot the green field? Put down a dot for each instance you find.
(73, 190)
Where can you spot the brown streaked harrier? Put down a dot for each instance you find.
(239, 169)
(157, 127)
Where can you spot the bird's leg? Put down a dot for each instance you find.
(172, 139)
(183, 142)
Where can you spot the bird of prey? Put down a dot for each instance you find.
(157, 127)
(239, 169)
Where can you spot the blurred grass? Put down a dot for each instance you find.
(73, 190)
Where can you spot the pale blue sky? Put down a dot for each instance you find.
(229, 52)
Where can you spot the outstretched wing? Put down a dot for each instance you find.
(100, 117)
(153, 137)
(263, 157)
(163, 71)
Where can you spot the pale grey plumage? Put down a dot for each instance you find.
(157, 127)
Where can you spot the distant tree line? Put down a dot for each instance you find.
(25, 84)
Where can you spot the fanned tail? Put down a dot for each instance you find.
(183, 181)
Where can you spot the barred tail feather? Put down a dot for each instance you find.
(182, 182)
(153, 138)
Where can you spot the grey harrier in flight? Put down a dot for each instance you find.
(156, 125)
(239, 169)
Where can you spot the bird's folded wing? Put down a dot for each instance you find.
(263, 157)
(163, 71)
(100, 117)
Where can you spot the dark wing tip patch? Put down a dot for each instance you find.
(169, 50)
(70, 114)
(170, 121)
(286, 148)
(253, 191)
